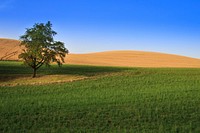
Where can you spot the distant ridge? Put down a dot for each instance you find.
(9, 50)
(133, 59)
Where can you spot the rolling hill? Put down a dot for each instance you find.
(9, 50)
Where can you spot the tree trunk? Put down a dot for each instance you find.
(34, 73)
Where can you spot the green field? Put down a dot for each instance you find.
(107, 99)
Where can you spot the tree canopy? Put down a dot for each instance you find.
(39, 47)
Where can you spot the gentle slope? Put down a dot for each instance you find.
(9, 50)
(133, 59)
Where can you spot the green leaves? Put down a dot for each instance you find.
(40, 47)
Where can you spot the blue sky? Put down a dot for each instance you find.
(169, 26)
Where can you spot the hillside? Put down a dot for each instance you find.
(133, 58)
(9, 50)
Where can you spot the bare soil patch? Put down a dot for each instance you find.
(14, 80)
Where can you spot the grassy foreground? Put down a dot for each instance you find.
(110, 99)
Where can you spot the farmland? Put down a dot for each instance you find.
(99, 99)
(10, 49)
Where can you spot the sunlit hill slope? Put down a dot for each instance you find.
(9, 50)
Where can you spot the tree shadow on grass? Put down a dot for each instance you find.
(11, 72)
(81, 70)
(9, 77)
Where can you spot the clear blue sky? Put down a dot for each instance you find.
(169, 26)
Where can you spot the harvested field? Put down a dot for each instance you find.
(9, 50)
(133, 59)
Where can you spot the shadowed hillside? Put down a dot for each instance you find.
(9, 50)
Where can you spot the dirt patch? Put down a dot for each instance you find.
(14, 80)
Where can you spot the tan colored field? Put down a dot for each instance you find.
(110, 58)
(9, 49)
(14, 80)
(133, 58)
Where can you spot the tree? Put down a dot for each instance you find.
(39, 47)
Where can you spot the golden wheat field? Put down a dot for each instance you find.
(9, 50)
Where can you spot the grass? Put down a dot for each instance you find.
(14, 73)
(126, 100)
